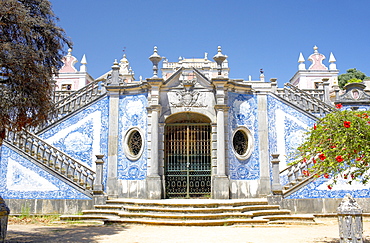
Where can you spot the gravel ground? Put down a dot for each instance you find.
(326, 231)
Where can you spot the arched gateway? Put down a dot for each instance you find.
(187, 150)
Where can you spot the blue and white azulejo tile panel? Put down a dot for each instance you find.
(83, 135)
(286, 127)
(132, 114)
(22, 179)
(243, 113)
(319, 189)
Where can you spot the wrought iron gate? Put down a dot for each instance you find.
(187, 160)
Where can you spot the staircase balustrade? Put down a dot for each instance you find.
(305, 100)
(54, 159)
(71, 103)
(297, 176)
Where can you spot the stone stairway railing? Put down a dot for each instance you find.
(293, 177)
(305, 100)
(73, 102)
(69, 169)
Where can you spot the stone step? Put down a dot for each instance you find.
(200, 210)
(193, 203)
(223, 222)
(189, 212)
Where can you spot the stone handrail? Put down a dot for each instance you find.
(62, 94)
(297, 176)
(73, 102)
(54, 159)
(305, 100)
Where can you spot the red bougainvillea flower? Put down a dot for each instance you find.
(314, 161)
(365, 115)
(314, 126)
(304, 160)
(306, 173)
(358, 159)
(322, 156)
(326, 175)
(333, 146)
(345, 176)
(339, 158)
(347, 124)
(330, 187)
(339, 106)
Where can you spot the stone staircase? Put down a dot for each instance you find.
(71, 104)
(190, 212)
(305, 101)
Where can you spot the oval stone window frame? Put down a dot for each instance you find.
(249, 148)
(127, 149)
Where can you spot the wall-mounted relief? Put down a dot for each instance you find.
(187, 97)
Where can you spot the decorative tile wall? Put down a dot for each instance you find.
(133, 113)
(243, 112)
(82, 136)
(286, 126)
(22, 179)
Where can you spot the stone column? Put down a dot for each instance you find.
(221, 160)
(265, 183)
(221, 187)
(153, 180)
(153, 165)
(113, 91)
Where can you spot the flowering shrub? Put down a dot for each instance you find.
(339, 146)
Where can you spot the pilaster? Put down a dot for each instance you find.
(154, 183)
(220, 189)
(265, 181)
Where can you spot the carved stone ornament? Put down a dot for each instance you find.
(188, 97)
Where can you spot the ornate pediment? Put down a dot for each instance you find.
(354, 94)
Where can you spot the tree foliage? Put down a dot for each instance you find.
(339, 146)
(352, 74)
(31, 50)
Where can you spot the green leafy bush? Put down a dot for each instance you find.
(339, 146)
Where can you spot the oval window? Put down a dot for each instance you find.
(134, 144)
(242, 143)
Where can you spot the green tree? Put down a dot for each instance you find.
(339, 146)
(351, 74)
(31, 50)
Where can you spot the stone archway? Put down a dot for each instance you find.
(187, 152)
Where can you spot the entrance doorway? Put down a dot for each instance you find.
(188, 157)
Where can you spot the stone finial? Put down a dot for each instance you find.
(69, 52)
(219, 59)
(83, 62)
(301, 61)
(155, 59)
(332, 65)
(315, 49)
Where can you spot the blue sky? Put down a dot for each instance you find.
(267, 34)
